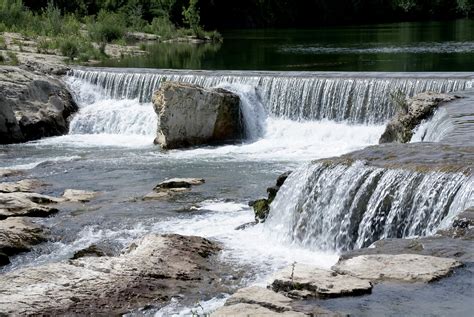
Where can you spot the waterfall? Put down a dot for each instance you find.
(356, 98)
(338, 207)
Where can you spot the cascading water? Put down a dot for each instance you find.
(361, 98)
(338, 207)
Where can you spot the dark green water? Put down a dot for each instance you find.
(425, 46)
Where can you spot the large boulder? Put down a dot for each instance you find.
(412, 113)
(32, 106)
(191, 115)
(149, 272)
(19, 234)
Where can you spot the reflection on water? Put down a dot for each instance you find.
(420, 46)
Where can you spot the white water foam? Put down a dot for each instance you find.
(31, 165)
(203, 308)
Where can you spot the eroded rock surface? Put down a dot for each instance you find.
(21, 204)
(252, 310)
(149, 271)
(420, 107)
(76, 195)
(191, 115)
(19, 234)
(171, 187)
(305, 281)
(400, 267)
(25, 185)
(32, 106)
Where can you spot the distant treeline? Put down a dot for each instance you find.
(275, 13)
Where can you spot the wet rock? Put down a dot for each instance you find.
(148, 272)
(171, 187)
(252, 310)
(179, 183)
(10, 173)
(262, 297)
(27, 205)
(462, 226)
(420, 107)
(246, 225)
(4, 260)
(282, 178)
(261, 209)
(91, 251)
(191, 115)
(75, 195)
(40, 103)
(25, 185)
(400, 267)
(18, 234)
(305, 281)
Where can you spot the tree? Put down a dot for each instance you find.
(192, 18)
(465, 6)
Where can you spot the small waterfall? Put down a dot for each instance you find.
(338, 207)
(357, 98)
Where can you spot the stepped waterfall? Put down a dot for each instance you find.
(322, 206)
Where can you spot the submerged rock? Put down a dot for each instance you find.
(26, 205)
(10, 173)
(76, 195)
(170, 187)
(91, 251)
(32, 106)
(420, 107)
(305, 281)
(191, 115)
(18, 234)
(400, 267)
(150, 271)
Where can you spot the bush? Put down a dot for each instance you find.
(108, 27)
(161, 26)
(69, 48)
(12, 12)
(52, 20)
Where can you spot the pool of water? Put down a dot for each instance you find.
(414, 46)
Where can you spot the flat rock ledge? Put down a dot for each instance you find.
(191, 115)
(19, 204)
(399, 267)
(171, 187)
(306, 281)
(77, 195)
(413, 112)
(150, 271)
(24, 185)
(259, 301)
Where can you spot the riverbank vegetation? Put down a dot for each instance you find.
(81, 30)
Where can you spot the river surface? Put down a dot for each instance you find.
(410, 46)
(291, 118)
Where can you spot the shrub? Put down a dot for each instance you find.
(162, 26)
(13, 59)
(52, 20)
(12, 12)
(108, 27)
(192, 18)
(69, 48)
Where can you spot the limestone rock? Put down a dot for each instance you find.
(18, 234)
(75, 195)
(10, 173)
(179, 183)
(171, 187)
(262, 297)
(400, 267)
(25, 185)
(252, 310)
(191, 115)
(318, 282)
(41, 106)
(26, 204)
(420, 107)
(149, 271)
(91, 251)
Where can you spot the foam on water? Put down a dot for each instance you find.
(29, 163)
(203, 308)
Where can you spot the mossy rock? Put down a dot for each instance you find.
(261, 208)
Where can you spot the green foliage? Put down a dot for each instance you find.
(69, 47)
(12, 12)
(52, 20)
(192, 17)
(13, 59)
(466, 7)
(108, 27)
(162, 26)
(3, 45)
